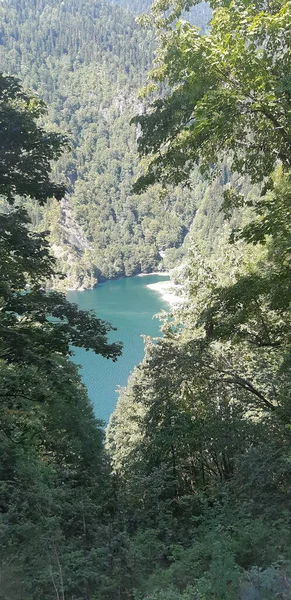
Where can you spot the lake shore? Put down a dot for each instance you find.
(168, 291)
(161, 273)
(79, 287)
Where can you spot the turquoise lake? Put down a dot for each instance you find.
(130, 306)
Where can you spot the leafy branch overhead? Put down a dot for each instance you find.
(226, 100)
(229, 95)
(26, 149)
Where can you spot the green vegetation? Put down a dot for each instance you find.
(200, 440)
(52, 463)
(189, 499)
(87, 60)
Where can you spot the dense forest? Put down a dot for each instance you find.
(186, 495)
(200, 439)
(51, 443)
(87, 60)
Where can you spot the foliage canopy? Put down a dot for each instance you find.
(229, 95)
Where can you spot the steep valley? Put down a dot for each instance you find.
(87, 60)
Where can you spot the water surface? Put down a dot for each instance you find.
(130, 306)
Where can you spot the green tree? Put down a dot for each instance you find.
(33, 322)
(206, 459)
(26, 148)
(53, 467)
(229, 94)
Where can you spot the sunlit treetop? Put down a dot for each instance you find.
(229, 95)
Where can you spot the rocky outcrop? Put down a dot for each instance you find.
(73, 254)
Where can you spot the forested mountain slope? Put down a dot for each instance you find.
(190, 498)
(200, 14)
(87, 59)
(136, 6)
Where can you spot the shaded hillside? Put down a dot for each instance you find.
(87, 60)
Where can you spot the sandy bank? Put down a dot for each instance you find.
(161, 273)
(168, 290)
